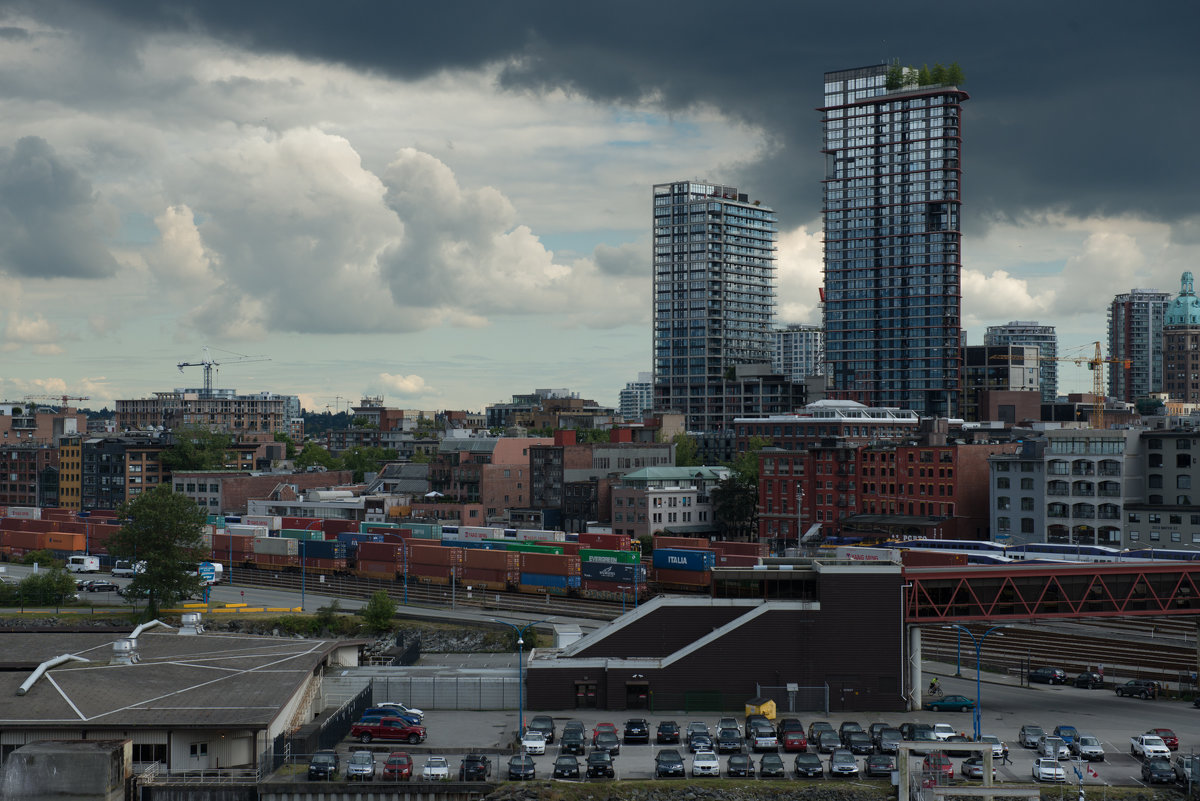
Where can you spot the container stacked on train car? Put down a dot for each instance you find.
(683, 562)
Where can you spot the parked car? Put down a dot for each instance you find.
(938, 764)
(372, 728)
(699, 742)
(600, 765)
(435, 769)
(668, 732)
(572, 742)
(521, 768)
(771, 766)
(999, 747)
(544, 724)
(1046, 675)
(1048, 770)
(533, 742)
(794, 740)
(705, 763)
(951, 750)
(398, 767)
(1088, 747)
(943, 730)
(100, 585)
(739, 766)
(1158, 771)
(1187, 769)
(697, 727)
(1169, 737)
(1030, 736)
(388, 711)
(924, 735)
(907, 730)
(808, 765)
(1138, 688)
(323, 765)
(859, 742)
(361, 766)
(574, 725)
(1089, 680)
(816, 727)
(729, 741)
(846, 728)
(727, 723)
(668, 763)
(762, 737)
(1053, 748)
(888, 741)
(607, 741)
(828, 742)
(875, 729)
(611, 728)
(475, 768)
(566, 767)
(1067, 733)
(400, 710)
(880, 765)
(637, 730)
(750, 722)
(790, 724)
(972, 768)
(951, 703)
(843, 763)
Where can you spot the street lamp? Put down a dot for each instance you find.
(303, 571)
(520, 669)
(978, 667)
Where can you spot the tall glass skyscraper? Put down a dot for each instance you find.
(893, 237)
(714, 298)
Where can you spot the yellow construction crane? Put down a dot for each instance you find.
(210, 365)
(62, 398)
(1095, 363)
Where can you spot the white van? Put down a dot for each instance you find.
(123, 569)
(82, 563)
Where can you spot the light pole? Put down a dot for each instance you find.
(520, 669)
(303, 551)
(978, 667)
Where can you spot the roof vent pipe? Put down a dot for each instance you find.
(42, 668)
(148, 625)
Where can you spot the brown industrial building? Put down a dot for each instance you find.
(809, 635)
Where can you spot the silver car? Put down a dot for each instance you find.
(1085, 746)
(361, 766)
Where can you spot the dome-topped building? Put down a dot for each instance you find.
(1181, 344)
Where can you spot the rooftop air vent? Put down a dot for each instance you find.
(125, 652)
(191, 624)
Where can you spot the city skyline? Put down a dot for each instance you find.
(446, 208)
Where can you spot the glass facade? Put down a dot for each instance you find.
(1045, 337)
(714, 297)
(893, 259)
(1135, 343)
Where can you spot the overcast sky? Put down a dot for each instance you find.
(446, 204)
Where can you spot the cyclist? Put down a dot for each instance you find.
(934, 687)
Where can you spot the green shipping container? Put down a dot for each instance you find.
(523, 547)
(363, 526)
(301, 534)
(621, 557)
(424, 531)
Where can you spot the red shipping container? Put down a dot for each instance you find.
(379, 552)
(305, 523)
(694, 543)
(736, 560)
(106, 513)
(26, 540)
(694, 578)
(479, 574)
(58, 514)
(239, 544)
(550, 564)
(433, 555)
(744, 548)
(481, 559)
(71, 527)
(910, 558)
(334, 527)
(275, 560)
(431, 571)
(326, 565)
(605, 542)
(377, 569)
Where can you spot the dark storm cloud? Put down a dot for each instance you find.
(1083, 108)
(50, 218)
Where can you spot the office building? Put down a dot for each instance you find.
(1181, 345)
(893, 259)
(998, 368)
(1135, 343)
(799, 351)
(714, 299)
(1030, 332)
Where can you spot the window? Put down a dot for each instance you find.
(149, 752)
(1155, 536)
(1183, 481)
(1027, 483)
(199, 750)
(1003, 502)
(1175, 520)
(1154, 518)
(1134, 517)
(1002, 483)
(1002, 524)
(1174, 536)
(1027, 504)
(1183, 444)
(1026, 525)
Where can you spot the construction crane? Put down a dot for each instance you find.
(1095, 363)
(209, 364)
(62, 398)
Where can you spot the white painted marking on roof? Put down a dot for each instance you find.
(65, 697)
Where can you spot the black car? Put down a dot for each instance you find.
(889, 740)
(859, 742)
(1138, 688)
(1158, 770)
(729, 741)
(846, 729)
(1045, 675)
(740, 765)
(907, 729)
(668, 763)
(808, 765)
(875, 729)
(828, 742)
(816, 727)
(521, 767)
(102, 586)
(544, 724)
(600, 765)
(566, 767)
(607, 741)
(323, 765)
(880, 765)
(751, 721)
(1089, 680)
(789, 724)
(771, 766)
(475, 768)
(637, 730)
(951, 751)
(573, 742)
(668, 732)
(700, 742)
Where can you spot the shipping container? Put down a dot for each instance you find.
(308, 523)
(433, 555)
(682, 559)
(366, 525)
(335, 526)
(382, 570)
(59, 541)
(323, 565)
(611, 557)
(537, 535)
(741, 548)
(323, 549)
(568, 548)
(301, 534)
(25, 540)
(474, 545)
(491, 560)
(349, 537)
(543, 580)
(550, 564)
(683, 578)
(737, 560)
(379, 552)
(237, 543)
(25, 512)
(622, 574)
(425, 531)
(431, 571)
(911, 558)
(275, 546)
(528, 547)
(536, 589)
(271, 522)
(474, 574)
(661, 541)
(270, 560)
(474, 533)
(253, 531)
(861, 554)
(606, 542)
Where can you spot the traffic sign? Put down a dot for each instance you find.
(207, 571)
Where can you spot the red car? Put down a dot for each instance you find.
(373, 728)
(795, 741)
(609, 727)
(938, 763)
(1168, 737)
(398, 767)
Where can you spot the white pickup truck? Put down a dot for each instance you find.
(1145, 746)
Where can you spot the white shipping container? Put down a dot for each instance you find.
(540, 535)
(475, 534)
(277, 546)
(860, 554)
(273, 523)
(25, 512)
(245, 530)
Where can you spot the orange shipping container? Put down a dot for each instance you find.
(682, 542)
(379, 552)
(25, 540)
(377, 569)
(433, 555)
(480, 559)
(693, 578)
(550, 564)
(59, 541)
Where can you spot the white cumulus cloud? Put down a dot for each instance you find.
(404, 385)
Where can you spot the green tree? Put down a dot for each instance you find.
(938, 74)
(162, 529)
(735, 498)
(49, 587)
(954, 75)
(363, 460)
(745, 464)
(895, 76)
(41, 558)
(289, 444)
(924, 77)
(197, 449)
(378, 613)
(687, 452)
(313, 455)
(421, 457)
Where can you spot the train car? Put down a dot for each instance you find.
(1063, 552)
(969, 547)
(1161, 553)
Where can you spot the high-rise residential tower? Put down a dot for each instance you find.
(714, 300)
(893, 258)
(637, 398)
(1181, 344)
(799, 351)
(1135, 337)
(1030, 332)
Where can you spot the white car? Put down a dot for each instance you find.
(1048, 770)
(405, 710)
(705, 763)
(533, 742)
(943, 730)
(998, 746)
(361, 766)
(436, 769)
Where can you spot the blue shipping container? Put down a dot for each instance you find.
(478, 545)
(680, 559)
(544, 580)
(322, 549)
(353, 536)
(610, 571)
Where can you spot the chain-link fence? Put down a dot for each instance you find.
(430, 692)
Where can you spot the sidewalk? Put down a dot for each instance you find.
(946, 670)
